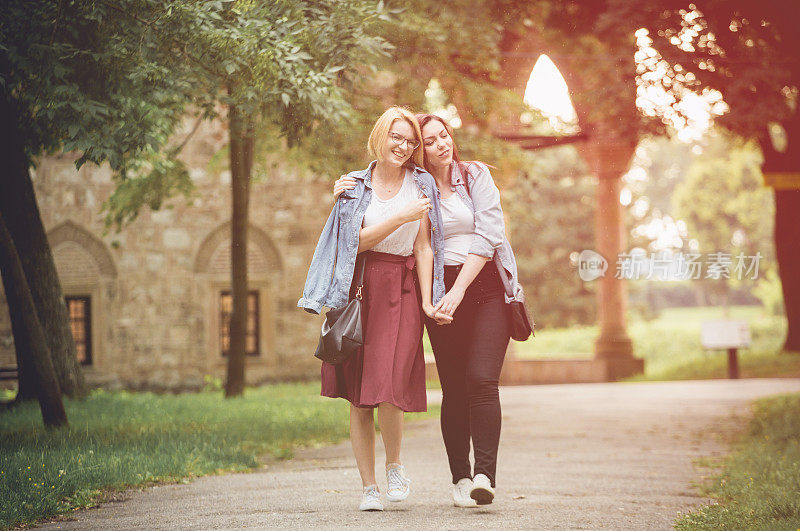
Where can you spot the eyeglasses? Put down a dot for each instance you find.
(399, 139)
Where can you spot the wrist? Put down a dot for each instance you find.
(400, 219)
(458, 289)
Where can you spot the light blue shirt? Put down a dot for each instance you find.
(482, 196)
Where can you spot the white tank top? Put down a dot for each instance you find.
(401, 241)
(458, 229)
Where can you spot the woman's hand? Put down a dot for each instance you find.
(415, 209)
(449, 303)
(343, 183)
(431, 311)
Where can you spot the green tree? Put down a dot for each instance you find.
(112, 79)
(743, 50)
(551, 211)
(746, 52)
(276, 64)
(70, 80)
(726, 207)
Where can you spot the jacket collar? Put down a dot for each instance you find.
(455, 174)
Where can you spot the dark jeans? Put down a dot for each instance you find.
(469, 355)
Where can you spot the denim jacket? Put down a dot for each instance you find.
(490, 241)
(331, 271)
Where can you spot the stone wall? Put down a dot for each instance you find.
(155, 286)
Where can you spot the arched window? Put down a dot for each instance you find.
(213, 263)
(84, 264)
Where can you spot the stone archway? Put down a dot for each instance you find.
(212, 267)
(69, 232)
(609, 123)
(85, 268)
(263, 254)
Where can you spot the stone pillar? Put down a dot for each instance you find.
(608, 155)
(612, 296)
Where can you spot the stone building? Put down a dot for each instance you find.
(148, 306)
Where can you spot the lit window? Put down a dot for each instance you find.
(80, 322)
(226, 308)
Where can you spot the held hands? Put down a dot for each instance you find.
(430, 310)
(343, 183)
(449, 303)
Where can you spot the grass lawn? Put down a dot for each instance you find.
(119, 439)
(759, 487)
(670, 345)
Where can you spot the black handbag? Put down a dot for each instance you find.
(521, 324)
(342, 331)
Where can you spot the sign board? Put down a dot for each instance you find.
(725, 334)
(782, 180)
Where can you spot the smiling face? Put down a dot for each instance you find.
(437, 143)
(397, 149)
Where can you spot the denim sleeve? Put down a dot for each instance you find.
(490, 227)
(320, 273)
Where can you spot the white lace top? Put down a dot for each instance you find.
(401, 241)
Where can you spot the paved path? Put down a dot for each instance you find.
(590, 456)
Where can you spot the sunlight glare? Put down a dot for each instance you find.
(548, 92)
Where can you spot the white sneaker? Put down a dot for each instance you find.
(482, 491)
(397, 484)
(461, 492)
(371, 499)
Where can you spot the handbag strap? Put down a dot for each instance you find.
(360, 278)
(504, 277)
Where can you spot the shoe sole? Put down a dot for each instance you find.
(398, 498)
(465, 505)
(481, 496)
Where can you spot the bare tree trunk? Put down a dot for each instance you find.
(24, 224)
(241, 162)
(787, 223)
(16, 287)
(787, 250)
(26, 378)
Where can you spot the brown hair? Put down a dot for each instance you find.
(425, 119)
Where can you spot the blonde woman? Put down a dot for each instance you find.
(471, 349)
(383, 220)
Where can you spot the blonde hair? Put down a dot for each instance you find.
(380, 131)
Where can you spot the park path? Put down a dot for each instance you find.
(585, 456)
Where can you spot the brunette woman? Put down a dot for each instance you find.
(383, 220)
(469, 352)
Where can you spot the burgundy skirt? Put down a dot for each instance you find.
(391, 366)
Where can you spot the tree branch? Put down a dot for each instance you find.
(180, 147)
(55, 24)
